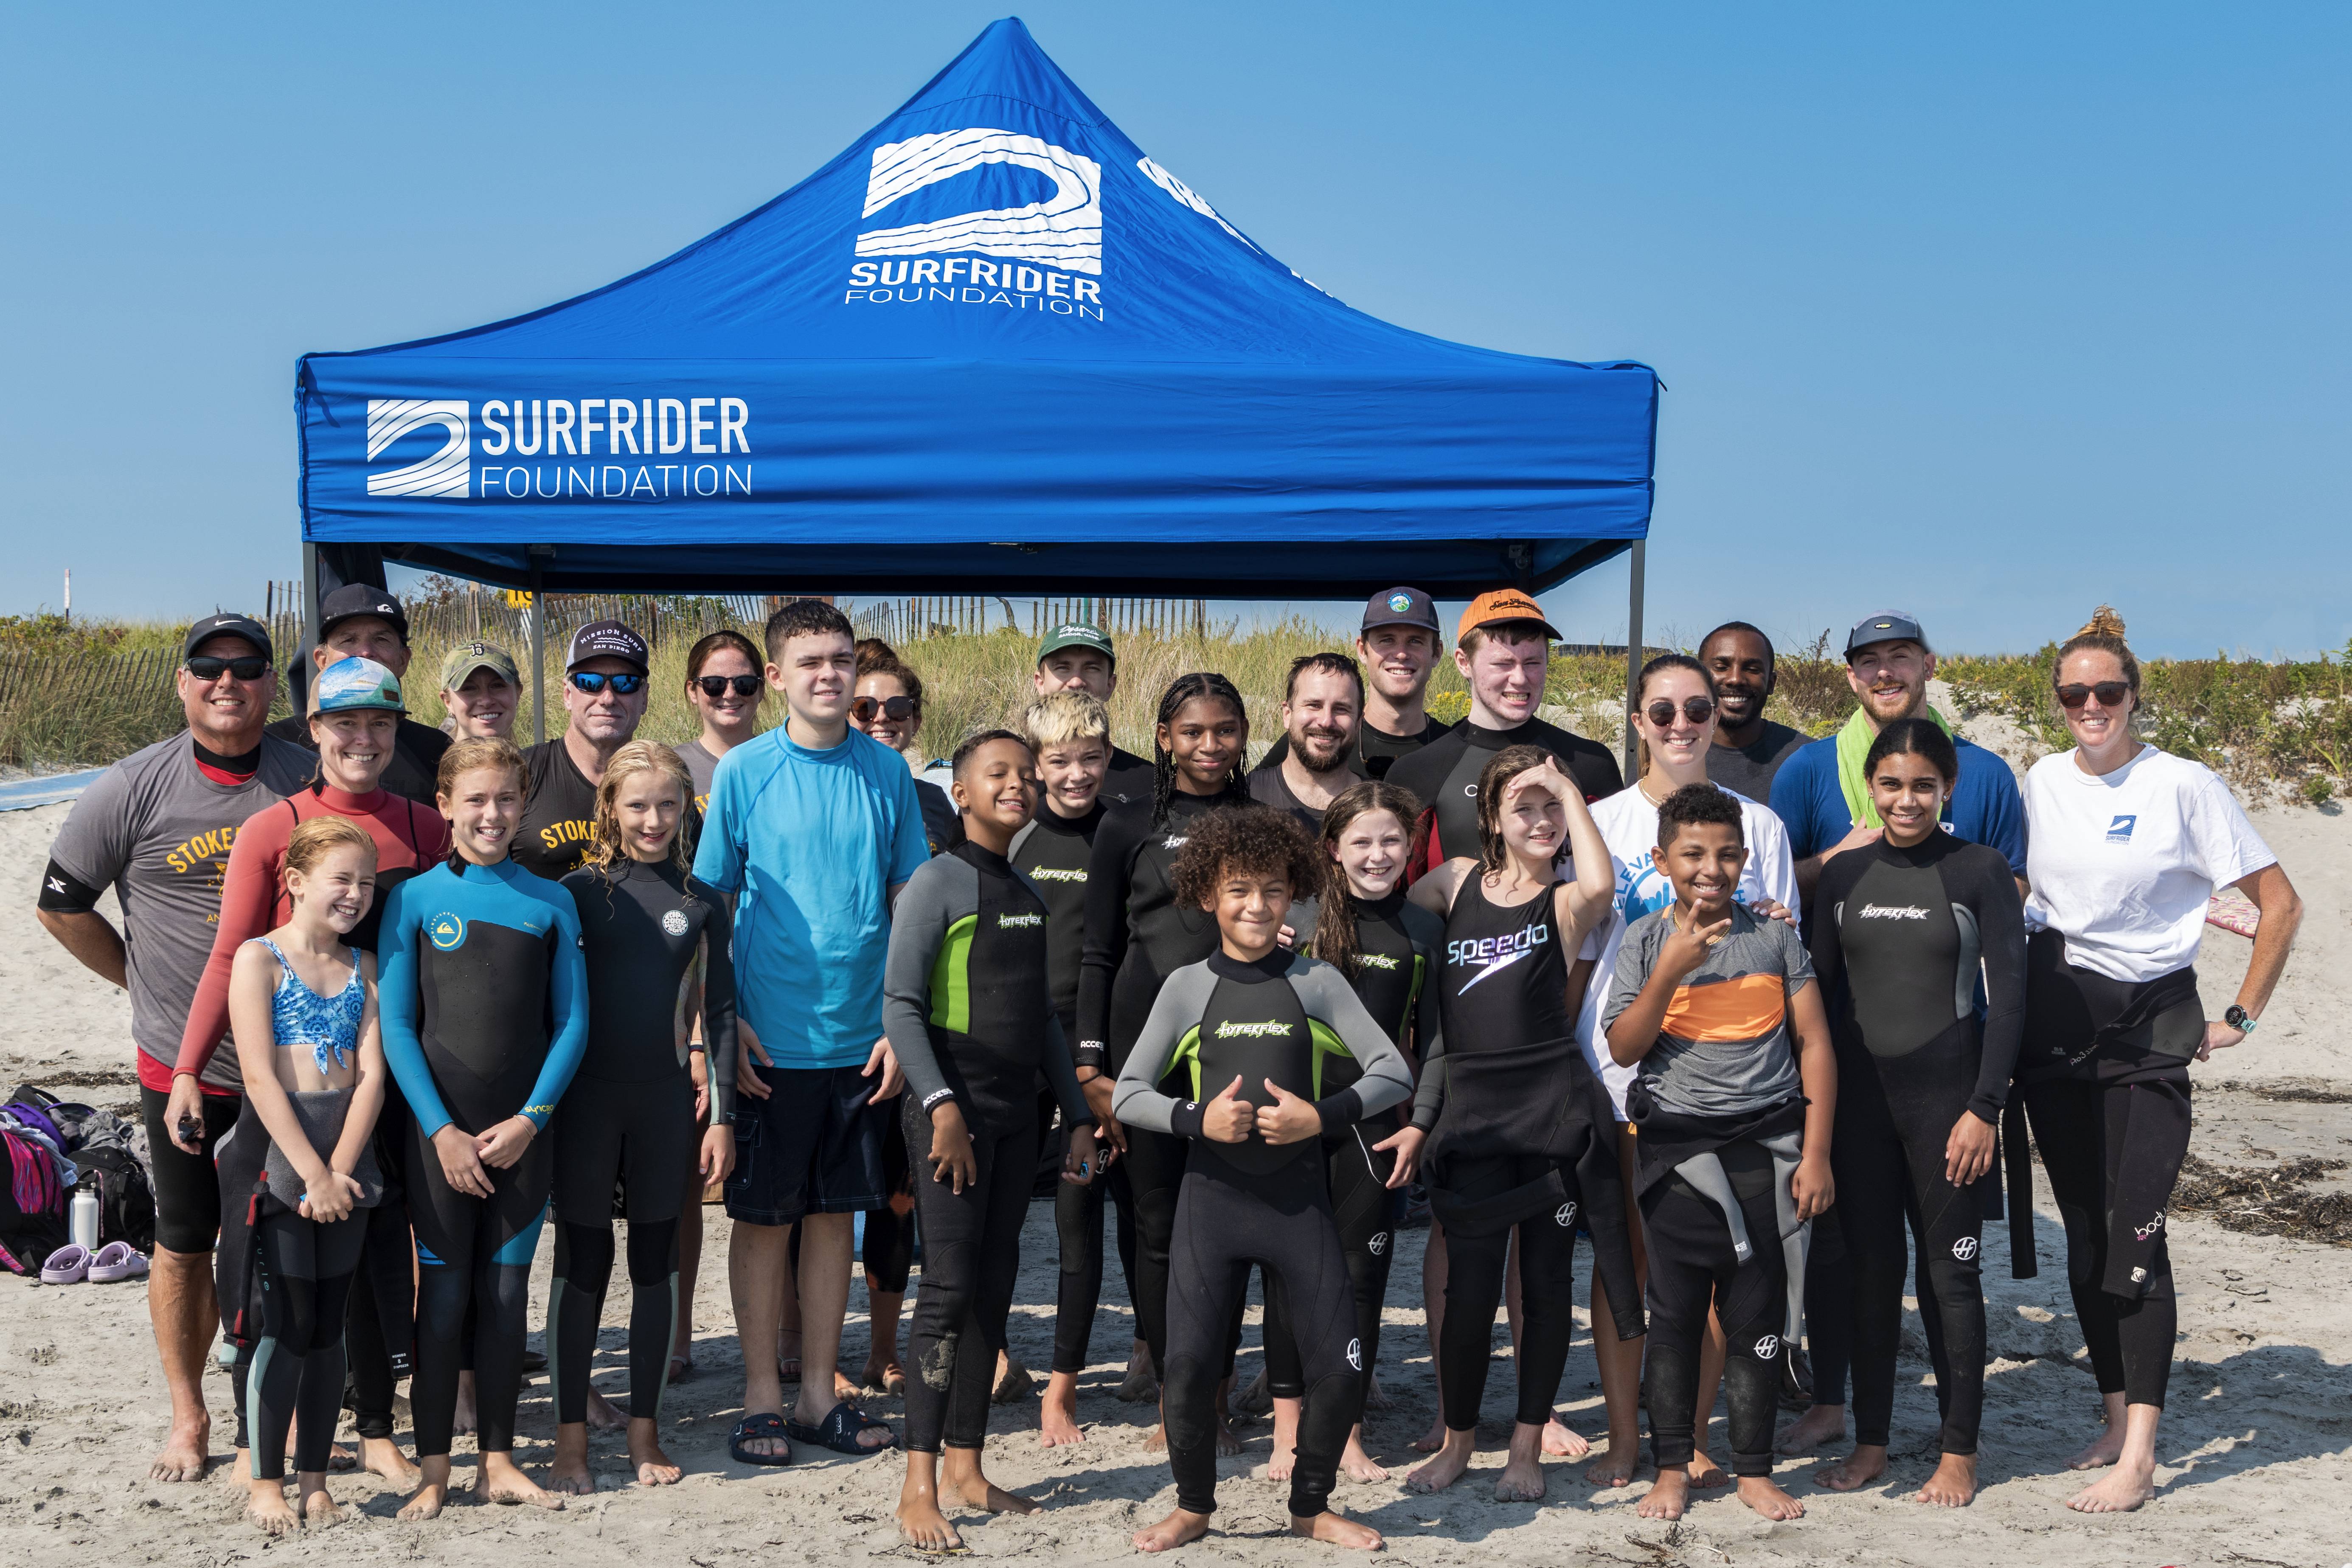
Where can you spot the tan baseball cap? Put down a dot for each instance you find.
(1502, 605)
(469, 657)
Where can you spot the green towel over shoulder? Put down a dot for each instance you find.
(1852, 748)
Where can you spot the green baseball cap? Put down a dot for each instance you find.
(469, 657)
(1076, 634)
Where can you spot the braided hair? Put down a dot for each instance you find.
(1215, 687)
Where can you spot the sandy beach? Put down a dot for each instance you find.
(2254, 1458)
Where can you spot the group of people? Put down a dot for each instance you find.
(1741, 1023)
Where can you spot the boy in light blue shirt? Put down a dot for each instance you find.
(814, 827)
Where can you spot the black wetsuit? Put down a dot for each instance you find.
(1268, 787)
(1377, 751)
(1129, 781)
(1522, 1138)
(483, 997)
(968, 1006)
(1444, 775)
(2103, 1075)
(1398, 947)
(628, 1116)
(1288, 1019)
(1136, 935)
(1053, 852)
(1909, 932)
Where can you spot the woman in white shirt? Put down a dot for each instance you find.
(1674, 714)
(2126, 845)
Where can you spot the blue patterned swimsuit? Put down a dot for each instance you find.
(330, 1026)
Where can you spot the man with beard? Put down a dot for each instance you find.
(1822, 796)
(1321, 708)
(1397, 648)
(1749, 748)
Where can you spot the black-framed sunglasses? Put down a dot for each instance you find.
(2110, 693)
(203, 666)
(865, 710)
(1698, 710)
(716, 686)
(593, 682)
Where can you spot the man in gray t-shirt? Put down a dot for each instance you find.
(1723, 1049)
(156, 828)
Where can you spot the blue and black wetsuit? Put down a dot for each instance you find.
(629, 1115)
(484, 998)
(1398, 947)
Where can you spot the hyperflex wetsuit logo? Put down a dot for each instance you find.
(1234, 1029)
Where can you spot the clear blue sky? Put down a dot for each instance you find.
(1989, 312)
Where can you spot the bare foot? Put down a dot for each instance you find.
(432, 1493)
(319, 1510)
(887, 1376)
(1281, 1462)
(498, 1479)
(843, 1388)
(1859, 1468)
(977, 1490)
(1562, 1444)
(569, 1473)
(1668, 1496)
(1333, 1531)
(1816, 1429)
(461, 1423)
(382, 1456)
(1175, 1530)
(1446, 1466)
(1057, 1413)
(1138, 1386)
(182, 1458)
(1357, 1464)
(1620, 1462)
(2104, 1450)
(1014, 1383)
(339, 1457)
(1429, 1442)
(1254, 1400)
(1954, 1484)
(1285, 1456)
(604, 1415)
(1522, 1481)
(2121, 1492)
(267, 1510)
(1705, 1474)
(925, 1528)
(654, 1468)
(1763, 1494)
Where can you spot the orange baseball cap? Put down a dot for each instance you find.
(1502, 605)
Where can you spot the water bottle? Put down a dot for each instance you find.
(83, 1219)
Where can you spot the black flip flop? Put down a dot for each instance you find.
(754, 1429)
(839, 1429)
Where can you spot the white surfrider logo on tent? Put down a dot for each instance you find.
(447, 472)
(1062, 234)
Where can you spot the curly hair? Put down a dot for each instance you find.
(1698, 806)
(1500, 769)
(1248, 840)
(605, 848)
(1335, 926)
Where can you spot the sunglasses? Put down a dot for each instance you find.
(205, 668)
(865, 710)
(1698, 710)
(593, 682)
(716, 686)
(2110, 693)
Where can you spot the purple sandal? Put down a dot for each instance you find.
(66, 1265)
(116, 1260)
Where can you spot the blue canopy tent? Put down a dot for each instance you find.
(992, 347)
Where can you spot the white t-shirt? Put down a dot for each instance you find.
(1629, 825)
(2123, 865)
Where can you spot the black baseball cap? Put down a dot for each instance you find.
(355, 599)
(606, 639)
(227, 624)
(1403, 608)
(1887, 625)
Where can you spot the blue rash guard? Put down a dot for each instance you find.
(1985, 808)
(484, 994)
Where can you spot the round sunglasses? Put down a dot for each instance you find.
(1698, 710)
(865, 709)
(716, 686)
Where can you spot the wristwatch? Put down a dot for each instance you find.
(2238, 1018)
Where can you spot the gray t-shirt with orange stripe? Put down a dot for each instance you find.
(1723, 1050)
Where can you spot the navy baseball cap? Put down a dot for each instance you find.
(606, 639)
(1402, 607)
(226, 624)
(1887, 625)
(354, 600)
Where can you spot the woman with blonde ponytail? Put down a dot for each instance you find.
(2126, 845)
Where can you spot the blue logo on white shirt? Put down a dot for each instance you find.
(2119, 831)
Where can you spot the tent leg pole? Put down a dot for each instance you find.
(309, 600)
(1633, 651)
(538, 652)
